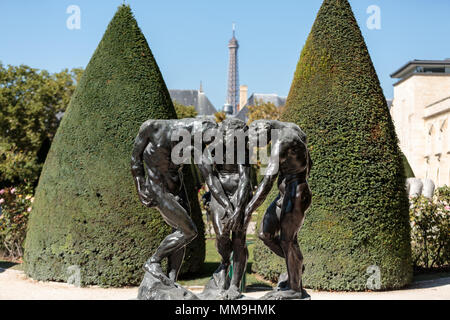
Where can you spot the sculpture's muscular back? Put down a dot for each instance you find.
(293, 157)
(157, 157)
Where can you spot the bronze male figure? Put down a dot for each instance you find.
(229, 182)
(290, 162)
(160, 184)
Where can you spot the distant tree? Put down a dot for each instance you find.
(31, 104)
(220, 116)
(264, 110)
(184, 111)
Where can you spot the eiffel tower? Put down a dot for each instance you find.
(233, 74)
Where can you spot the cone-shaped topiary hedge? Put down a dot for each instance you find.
(359, 212)
(87, 211)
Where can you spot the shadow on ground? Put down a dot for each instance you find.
(258, 287)
(4, 265)
(430, 283)
(206, 270)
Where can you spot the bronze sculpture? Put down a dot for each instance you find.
(229, 183)
(160, 184)
(290, 162)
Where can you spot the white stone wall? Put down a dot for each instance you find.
(421, 113)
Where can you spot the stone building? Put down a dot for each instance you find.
(196, 98)
(421, 112)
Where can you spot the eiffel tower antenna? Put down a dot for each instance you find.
(233, 72)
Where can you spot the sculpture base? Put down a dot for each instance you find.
(286, 295)
(156, 286)
(159, 287)
(216, 288)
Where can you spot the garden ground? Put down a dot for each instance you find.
(14, 284)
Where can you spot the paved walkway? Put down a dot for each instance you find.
(14, 285)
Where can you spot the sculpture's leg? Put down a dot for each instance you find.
(268, 230)
(175, 261)
(223, 244)
(291, 222)
(224, 248)
(294, 263)
(240, 256)
(186, 231)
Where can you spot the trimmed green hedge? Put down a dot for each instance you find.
(359, 212)
(87, 211)
(409, 173)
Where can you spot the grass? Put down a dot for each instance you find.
(212, 261)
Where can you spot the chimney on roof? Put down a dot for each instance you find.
(243, 96)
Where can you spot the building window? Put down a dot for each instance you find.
(430, 70)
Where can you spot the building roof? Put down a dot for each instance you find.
(195, 98)
(242, 114)
(265, 98)
(412, 65)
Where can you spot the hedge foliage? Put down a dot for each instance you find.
(86, 211)
(359, 213)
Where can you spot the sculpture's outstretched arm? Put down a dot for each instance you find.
(244, 187)
(242, 194)
(266, 184)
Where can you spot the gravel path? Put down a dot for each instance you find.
(14, 285)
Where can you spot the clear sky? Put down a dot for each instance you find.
(189, 38)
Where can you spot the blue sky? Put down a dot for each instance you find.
(189, 38)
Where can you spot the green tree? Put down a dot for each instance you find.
(184, 111)
(220, 116)
(31, 102)
(86, 210)
(264, 110)
(359, 212)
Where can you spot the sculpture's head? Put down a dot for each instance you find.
(209, 129)
(198, 127)
(259, 133)
(232, 128)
